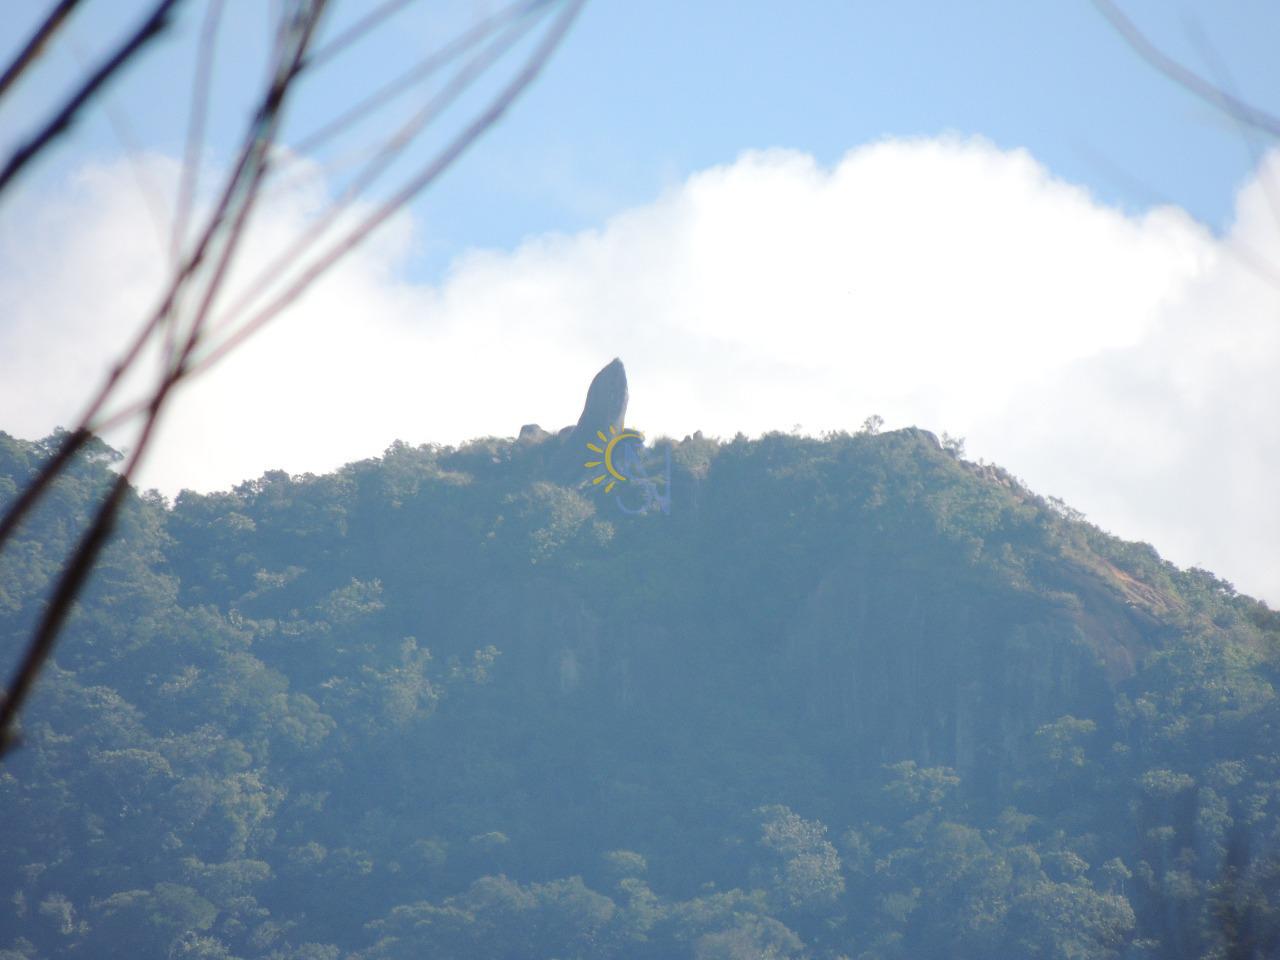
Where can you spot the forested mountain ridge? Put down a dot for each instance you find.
(850, 697)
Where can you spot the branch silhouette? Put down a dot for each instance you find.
(183, 323)
(61, 121)
(1184, 76)
(36, 43)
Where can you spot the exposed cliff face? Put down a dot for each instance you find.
(876, 664)
(937, 670)
(882, 631)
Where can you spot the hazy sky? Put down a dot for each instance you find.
(990, 219)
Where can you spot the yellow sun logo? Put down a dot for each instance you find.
(610, 473)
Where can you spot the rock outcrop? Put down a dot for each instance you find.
(530, 434)
(606, 404)
(605, 409)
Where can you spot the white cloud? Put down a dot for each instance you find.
(1129, 364)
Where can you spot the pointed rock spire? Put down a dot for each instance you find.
(605, 409)
(606, 404)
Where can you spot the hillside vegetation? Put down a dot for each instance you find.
(852, 697)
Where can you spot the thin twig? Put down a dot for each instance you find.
(72, 444)
(69, 585)
(32, 49)
(74, 576)
(358, 234)
(218, 243)
(261, 157)
(354, 33)
(409, 79)
(195, 128)
(151, 28)
(83, 559)
(380, 98)
(86, 423)
(1184, 77)
(315, 232)
(444, 160)
(1248, 135)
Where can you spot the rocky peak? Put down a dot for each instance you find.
(606, 404)
(605, 410)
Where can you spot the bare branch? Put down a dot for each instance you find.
(151, 28)
(199, 277)
(389, 152)
(195, 127)
(81, 435)
(35, 45)
(446, 158)
(69, 585)
(238, 199)
(1184, 77)
(422, 71)
(354, 33)
(72, 444)
(259, 157)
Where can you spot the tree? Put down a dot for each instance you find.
(182, 329)
(808, 878)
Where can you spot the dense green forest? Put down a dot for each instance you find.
(853, 697)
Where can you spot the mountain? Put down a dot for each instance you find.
(789, 697)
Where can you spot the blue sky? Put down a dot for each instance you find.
(991, 219)
(642, 95)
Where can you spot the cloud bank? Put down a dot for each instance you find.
(1130, 364)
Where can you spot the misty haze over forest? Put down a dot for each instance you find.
(910, 592)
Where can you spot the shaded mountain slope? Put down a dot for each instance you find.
(849, 697)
